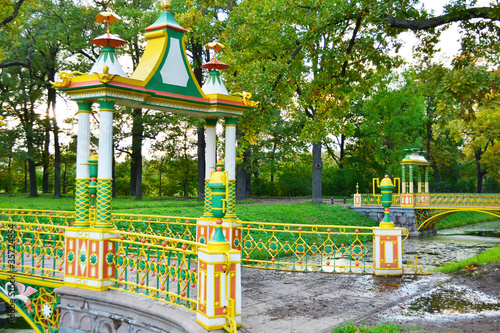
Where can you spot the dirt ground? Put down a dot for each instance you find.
(484, 279)
(279, 301)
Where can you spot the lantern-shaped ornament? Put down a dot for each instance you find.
(218, 185)
(386, 188)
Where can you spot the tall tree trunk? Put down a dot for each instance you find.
(57, 147)
(317, 193)
(429, 108)
(9, 186)
(64, 178)
(136, 163)
(480, 171)
(25, 176)
(201, 163)
(243, 177)
(133, 175)
(437, 179)
(160, 169)
(197, 51)
(342, 151)
(31, 166)
(138, 183)
(46, 155)
(32, 173)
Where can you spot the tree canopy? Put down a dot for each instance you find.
(333, 90)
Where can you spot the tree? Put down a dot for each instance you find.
(320, 55)
(471, 95)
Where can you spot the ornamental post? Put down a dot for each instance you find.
(210, 158)
(357, 197)
(387, 243)
(219, 284)
(89, 248)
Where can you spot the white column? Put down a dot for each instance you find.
(105, 141)
(230, 160)
(83, 141)
(211, 146)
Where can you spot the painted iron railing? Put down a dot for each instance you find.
(374, 200)
(157, 267)
(303, 247)
(439, 200)
(36, 241)
(458, 200)
(166, 226)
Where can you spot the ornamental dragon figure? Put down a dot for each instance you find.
(66, 79)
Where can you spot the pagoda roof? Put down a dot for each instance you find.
(414, 158)
(163, 79)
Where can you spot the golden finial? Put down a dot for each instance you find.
(166, 4)
(105, 77)
(216, 46)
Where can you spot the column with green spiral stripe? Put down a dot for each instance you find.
(82, 198)
(104, 173)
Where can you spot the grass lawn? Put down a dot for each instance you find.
(294, 213)
(488, 256)
(456, 220)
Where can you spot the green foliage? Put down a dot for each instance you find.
(339, 182)
(303, 213)
(488, 256)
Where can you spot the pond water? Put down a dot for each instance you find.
(453, 244)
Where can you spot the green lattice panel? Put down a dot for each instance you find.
(104, 191)
(208, 200)
(82, 201)
(231, 197)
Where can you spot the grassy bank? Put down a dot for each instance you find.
(460, 219)
(488, 256)
(294, 213)
(380, 328)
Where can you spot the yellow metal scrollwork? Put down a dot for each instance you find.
(66, 79)
(246, 98)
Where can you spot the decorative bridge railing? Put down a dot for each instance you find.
(157, 256)
(439, 200)
(304, 247)
(315, 248)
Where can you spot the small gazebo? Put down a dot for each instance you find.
(413, 161)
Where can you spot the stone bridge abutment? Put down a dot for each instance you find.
(112, 311)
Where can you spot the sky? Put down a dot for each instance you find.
(448, 44)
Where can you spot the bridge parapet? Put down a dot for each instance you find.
(158, 267)
(436, 200)
(37, 242)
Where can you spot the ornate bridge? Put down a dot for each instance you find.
(57, 268)
(159, 258)
(418, 210)
(430, 208)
